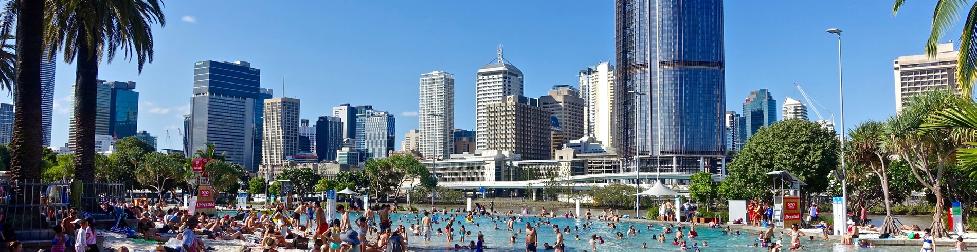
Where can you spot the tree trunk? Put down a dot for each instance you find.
(26, 144)
(938, 228)
(86, 95)
(889, 224)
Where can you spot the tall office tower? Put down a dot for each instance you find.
(464, 141)
(187, 135)
(259, 120)
(732, 124)
(329, 137)
(412, 141)
(436, 118)
(6, 122)
(48, 70)
(147, 138)
(226, 98)
(794, 109)
(281, 130)
(375, 133)
(759, 110)
(915, 74)
(307, 143)
(558, 135)
(599, 92)
(116, 110)
(519, 125)
(564, 103)
(347, 114)
(672, 51)
(125, 109)
(493, 83)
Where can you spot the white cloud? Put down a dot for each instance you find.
(409, 113)
(152, 108)
(63, 105)
(189, 19)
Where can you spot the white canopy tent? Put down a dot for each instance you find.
(658, 190)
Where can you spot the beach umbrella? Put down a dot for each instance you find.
(347, 191)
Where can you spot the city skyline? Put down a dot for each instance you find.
(166, 83)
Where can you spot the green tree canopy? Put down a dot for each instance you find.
(800, 147)
(303, 179)
(701, 187)
(160, 172)
(224, 176)
(256, 185)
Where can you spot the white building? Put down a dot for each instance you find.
(436, 116)
(482, 166)
(597, 88)
(104, 143)
(915, 74)
(281, 130)
(411, 141)
(493, 83)
(793, 109)
(307, 133)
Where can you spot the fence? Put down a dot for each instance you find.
(35, 204)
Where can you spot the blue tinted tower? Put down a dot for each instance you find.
(672, 52)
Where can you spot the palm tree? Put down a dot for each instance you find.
(963, 120)
(928, 151)
(26, 18)
(89, 30)
(944, 14)
(867, 148)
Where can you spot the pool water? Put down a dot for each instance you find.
(498, 239)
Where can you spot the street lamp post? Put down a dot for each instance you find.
(637, 152)
(841, 102)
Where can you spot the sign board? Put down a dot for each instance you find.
(198, 164)
(956, 212)
(242, 200)
(839, 215)
(792, 211)
(331, 195)
(468, 205)
(205, 199)
(737, 211)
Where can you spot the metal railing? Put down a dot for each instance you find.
(29, 205)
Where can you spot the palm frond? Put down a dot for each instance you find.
(967, 58)
(944, 14)
(108, 27)
(898, 4)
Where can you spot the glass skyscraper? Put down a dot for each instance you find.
(124, 111)
(672, 52)
(48, 67)
(759, 110)
(227, 108)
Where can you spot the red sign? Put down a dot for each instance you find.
(198, 164)
(204, 193)
(792, 210)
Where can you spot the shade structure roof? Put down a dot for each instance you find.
(658, 190)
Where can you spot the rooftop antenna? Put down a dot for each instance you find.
(499, 52)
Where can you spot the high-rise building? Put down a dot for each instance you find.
(307, 143)
(48, 70)
(281, 130)
(759, 110)
(147, 138)
(558, 136)
(565, 104)
(493, 83)
(464, 141)
(794, 109)
(915, 74)
(599, 92)
(259, 120)
(732, 125)
(116, 110)
(411, 141)
(329, 137)
(347, 114)
(375, 133)
(125, 109)
(187, 132)
(519, 125)
(6, 122)
(227, 110)
(436, 117)
(672, 52)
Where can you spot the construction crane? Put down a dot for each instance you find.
(813, 105)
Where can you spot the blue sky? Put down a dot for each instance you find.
(372, 52)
